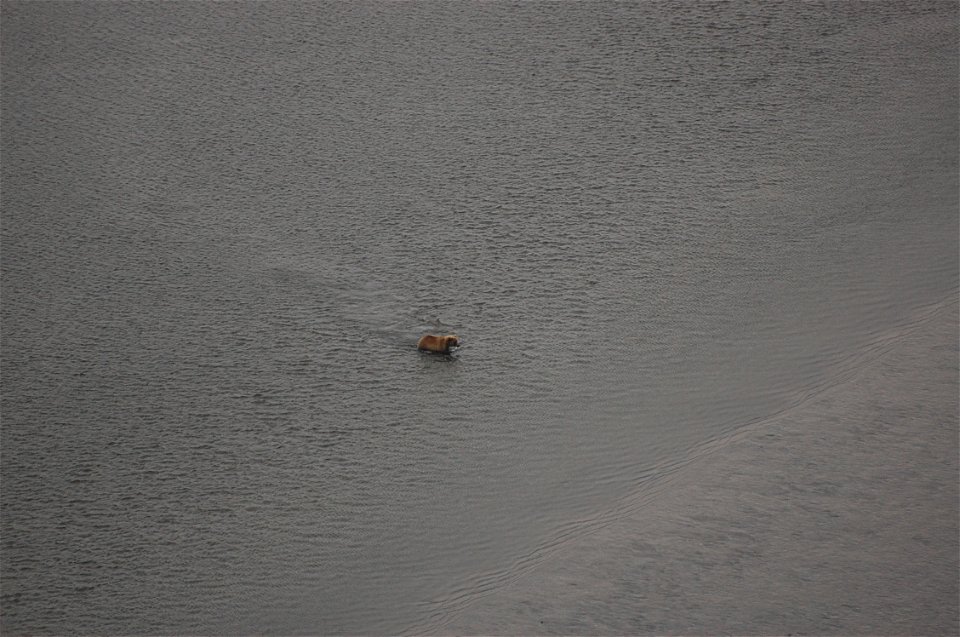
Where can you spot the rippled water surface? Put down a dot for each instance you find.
(225, 226)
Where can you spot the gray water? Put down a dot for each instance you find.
(224, 227)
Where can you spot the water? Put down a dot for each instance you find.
(225, 226)
(835, 516)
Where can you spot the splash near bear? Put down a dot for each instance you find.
(438, 344)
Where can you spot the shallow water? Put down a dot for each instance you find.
(225, 225)
(837, 516)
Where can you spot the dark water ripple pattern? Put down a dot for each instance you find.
(225, 225)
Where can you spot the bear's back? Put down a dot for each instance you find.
(434, 343)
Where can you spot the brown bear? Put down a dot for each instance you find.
(438, 344)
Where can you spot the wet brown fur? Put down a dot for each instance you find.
(438, 344)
